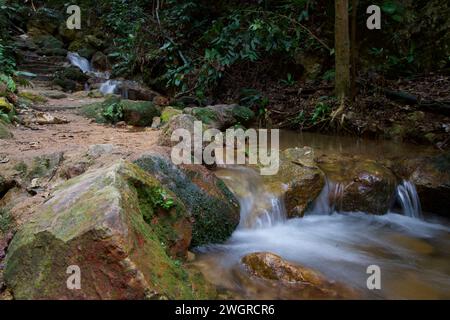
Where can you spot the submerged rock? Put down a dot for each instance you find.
(299, 180)
(312, 284)
(114, 224)
(212, 207)
(360, 184)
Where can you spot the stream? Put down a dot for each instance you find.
(411, 248)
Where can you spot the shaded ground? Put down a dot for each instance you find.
(306, 105)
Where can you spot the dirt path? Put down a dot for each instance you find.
(75, 136)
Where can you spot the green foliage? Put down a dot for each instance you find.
(320, 112)
(113, 112)
(329, 75)
(9, 81)
(255, 100)
(393, 9)
(7, 62)
(205, 115)
(289, 81)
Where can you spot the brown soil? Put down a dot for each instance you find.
(74, 137)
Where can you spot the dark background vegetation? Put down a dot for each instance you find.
(261, 53)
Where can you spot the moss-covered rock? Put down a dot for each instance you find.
(168, 113)
(33, 97)
(48, 42)
(299, 180)
(182, 121)
(43, 166)
(5, 133)
(67, 84)
(45, 19)
(100, 61)
(93, 41)
(139, 113)
(82, 48)
(97, 222)
(212, 206)
(222, 116)
(75, 74)
(114, 109)
(5, 105)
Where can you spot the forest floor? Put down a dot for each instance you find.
(304, 105)
(31, 139)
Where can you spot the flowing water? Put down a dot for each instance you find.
(82, 63)
(107, 86)
(411, 250)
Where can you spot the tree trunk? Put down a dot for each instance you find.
(342, 50)
(354, 51)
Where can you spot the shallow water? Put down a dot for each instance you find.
(413, 254)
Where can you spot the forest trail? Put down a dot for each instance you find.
(32, 139)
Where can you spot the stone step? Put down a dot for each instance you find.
(39, 77)
(36, 57)
(38, 71)
(29, 64)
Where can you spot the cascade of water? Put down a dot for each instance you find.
(259, 207)
(409, 199)
(109, 87)
(80, 62)
(329, 199)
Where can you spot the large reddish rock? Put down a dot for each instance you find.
(120, 226)
(212, 207)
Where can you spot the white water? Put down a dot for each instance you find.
(412, 254)
(409, 200)
(109, 87)
(259, 207)
(80, 62)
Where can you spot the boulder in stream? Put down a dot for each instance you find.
(308, 283)
(431, 176)
(119, 227)
(299, 180)
(213, 208)
(360, 185)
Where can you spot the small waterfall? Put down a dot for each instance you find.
(409, 199)
(80, 62)
(259, 207)
(329, 199)
(109, 86)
